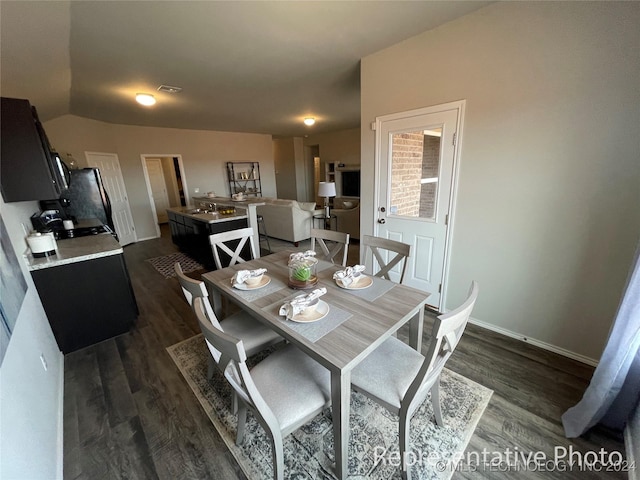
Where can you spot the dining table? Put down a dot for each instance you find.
(355, 322)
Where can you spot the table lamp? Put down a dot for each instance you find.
(326, 190)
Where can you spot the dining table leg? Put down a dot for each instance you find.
(340, 400)
(415, 329)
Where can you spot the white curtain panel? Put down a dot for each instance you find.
(611, 378)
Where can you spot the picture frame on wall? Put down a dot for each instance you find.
(13, 289)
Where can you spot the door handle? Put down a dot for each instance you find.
(382, 220)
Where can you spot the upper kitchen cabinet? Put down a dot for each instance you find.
(29, 169)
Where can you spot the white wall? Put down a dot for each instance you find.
(204, 155)
(547, 216)
(31, 399)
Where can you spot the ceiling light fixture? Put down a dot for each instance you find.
(309, 121)
(145, 99)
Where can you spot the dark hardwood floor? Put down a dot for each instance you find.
(128, 413)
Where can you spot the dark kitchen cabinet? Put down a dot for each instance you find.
(87, 302)
(28, 168)
(192, 236)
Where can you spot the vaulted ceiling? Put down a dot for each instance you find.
(244, 66)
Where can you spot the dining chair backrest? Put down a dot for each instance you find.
(447, 332)
(193, 289)
(231, 243)
(376, 244)
(233, 363)
(340, 239)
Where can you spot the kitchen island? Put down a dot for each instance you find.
(249, 205)
(191, 226)
(85, 290)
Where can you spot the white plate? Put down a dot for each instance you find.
(243, 286)
(238, 199)
(320, 312)
(365, 282)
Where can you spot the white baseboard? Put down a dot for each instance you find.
(60, 452)
(537, 343)
(147, 238)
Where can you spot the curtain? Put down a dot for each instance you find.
(613, 392)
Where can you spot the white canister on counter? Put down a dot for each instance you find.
(42, 244)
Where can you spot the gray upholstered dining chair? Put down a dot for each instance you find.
(255, 336)
(232, 243)
(399, 378)
(284, 391)
(376, 244)
(340, 243)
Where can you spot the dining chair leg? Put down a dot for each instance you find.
(403, 427)
(435, 401)
(277, 450)
(234, 403)
(242, 420)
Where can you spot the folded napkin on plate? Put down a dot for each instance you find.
(299, 303)
(241, 275)
(347, 275)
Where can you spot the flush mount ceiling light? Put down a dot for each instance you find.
(309, 121)
(145, 99)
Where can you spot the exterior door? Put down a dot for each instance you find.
(416, 177)
(109, 166)
(158, 188)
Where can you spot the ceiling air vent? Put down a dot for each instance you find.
(169, 89)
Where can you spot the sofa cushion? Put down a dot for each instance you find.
(308, 206)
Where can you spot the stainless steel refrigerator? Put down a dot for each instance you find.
(87, 197)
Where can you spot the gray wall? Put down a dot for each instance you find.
(547, 216)
(32, 404)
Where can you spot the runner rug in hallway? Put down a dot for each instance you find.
(164, 264)
(308, 452)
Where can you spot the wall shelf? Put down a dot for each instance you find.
(244, 177)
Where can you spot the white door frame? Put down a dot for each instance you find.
(457, 105)
(147, 182)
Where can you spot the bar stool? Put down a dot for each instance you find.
(262, 233)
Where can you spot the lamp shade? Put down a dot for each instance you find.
(326, 189)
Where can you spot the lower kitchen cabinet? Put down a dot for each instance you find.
(192, 235)
(87, 301)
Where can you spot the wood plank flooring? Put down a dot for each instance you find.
(128, 413)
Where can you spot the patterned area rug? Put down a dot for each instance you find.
(308, 452)
(164, 264)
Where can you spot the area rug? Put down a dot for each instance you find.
(164, 264)
(308, 452)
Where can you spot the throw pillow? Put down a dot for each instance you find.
(347, 204)
(308, 206)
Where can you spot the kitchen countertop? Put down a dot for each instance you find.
(77, 249)
(207, 217)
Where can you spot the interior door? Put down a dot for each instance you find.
(158, 188)
(109, 166)
(416, 155)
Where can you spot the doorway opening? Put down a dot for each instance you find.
(166, 184)
(312, 171)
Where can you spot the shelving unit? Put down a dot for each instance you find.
(244, 177)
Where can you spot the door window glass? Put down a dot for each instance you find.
(415, 166)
